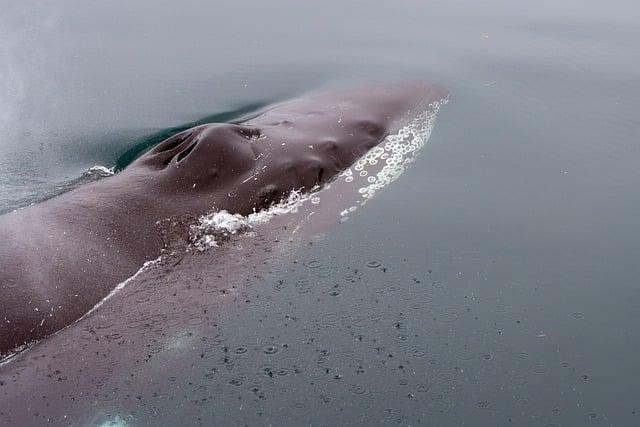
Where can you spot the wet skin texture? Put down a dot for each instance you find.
(61, 257)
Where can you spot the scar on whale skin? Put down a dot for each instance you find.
(61, 257)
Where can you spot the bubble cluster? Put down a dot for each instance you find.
(384, 163)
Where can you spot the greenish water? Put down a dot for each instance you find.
(519, 218)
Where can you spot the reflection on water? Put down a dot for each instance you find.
(495, 283)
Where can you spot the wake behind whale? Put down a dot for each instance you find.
(67, 254)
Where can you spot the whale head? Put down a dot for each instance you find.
(295, 145)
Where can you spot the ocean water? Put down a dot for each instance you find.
(494, 283)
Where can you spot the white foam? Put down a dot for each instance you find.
(218, 226)
(99, 170)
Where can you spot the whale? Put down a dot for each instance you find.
(61, 257)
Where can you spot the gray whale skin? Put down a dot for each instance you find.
(59, 258)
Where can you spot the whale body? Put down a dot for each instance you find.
(61, 257)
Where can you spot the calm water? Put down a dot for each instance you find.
(496, 283)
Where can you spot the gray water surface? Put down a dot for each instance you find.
(495, 283)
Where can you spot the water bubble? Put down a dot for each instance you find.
(360, 322)
(329, 319)
(270, 349)
(577, 316)
(465, 354)
(594, 417)
(323, 272)
(437, 407)
(539, 368)
(357, 389)
(219, 338)
(419, 353)
(267, 370)
(280, 285)
(423, 388)
(374, 263)
(483, 404)
(303, 286)
(240, 350)
(313, 263)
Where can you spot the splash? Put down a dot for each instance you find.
(216, 227)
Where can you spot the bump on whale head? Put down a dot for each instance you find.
(297, 144)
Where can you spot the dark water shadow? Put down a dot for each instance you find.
(143, 144)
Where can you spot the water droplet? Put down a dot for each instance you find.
(423, 388)
(357, 389)
(314, 263)
(270, 349)
(437, 407)
(374, 263)
(329, 319)
(539, 368)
